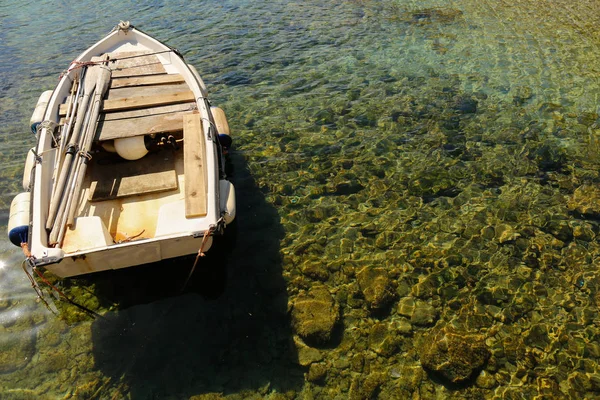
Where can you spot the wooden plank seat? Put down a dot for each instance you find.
(163, 79)
(129, 92)
(163, 119)
(133, 63)
(194, 166)
(133, 103)
(170, 95)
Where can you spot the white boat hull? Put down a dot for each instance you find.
(119, 232)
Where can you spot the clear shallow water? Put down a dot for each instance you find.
(450, 147)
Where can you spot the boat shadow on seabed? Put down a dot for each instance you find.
(210, 338)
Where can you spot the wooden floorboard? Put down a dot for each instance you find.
(114, 177)
(194, 166)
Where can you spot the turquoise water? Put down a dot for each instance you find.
(406, 167)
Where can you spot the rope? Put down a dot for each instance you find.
(35, 286)
(85, 154)
(49, 126)
(25, 248)
(130, 238)
(78, 64)
(201, 253)
(29, 261)
(64, 296)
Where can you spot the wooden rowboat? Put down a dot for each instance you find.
(128, 167)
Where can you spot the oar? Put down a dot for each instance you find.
(76, 90)
(88, 88)
(65, 200)
(71, 111)
(61, 226)
(104, 75)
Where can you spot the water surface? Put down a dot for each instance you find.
(451, 147)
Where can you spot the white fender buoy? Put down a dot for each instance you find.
(220, 120)
(131, 148)
(29, 163)
(227, 200)
(18, 220)
(40, 110)
(109, 145)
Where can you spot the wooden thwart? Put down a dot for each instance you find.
(167, 119)
(146, 91)
(147, 101)
(133, 103)
(152, 174)
(146, 80)
(142, 112)
(135, 64)
(194, 166)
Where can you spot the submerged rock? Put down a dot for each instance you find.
(420, 312)
(485, 380)
(376, 287)
(424, 314)
(453, 355)
(366, 387)
(382, 340)
(505, 233)
(435, 15)
(306, 354)
(586, 201)
(208, 396)
(317, 373)
(16, 350)
(583, 230)
(549, 157)
(587, 118)
(347, 188)
(521, 95)
(315, 315)
(409, 377)
(465, 105)
(538, 337)
(324, 117)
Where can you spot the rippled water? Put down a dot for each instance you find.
(432, 165)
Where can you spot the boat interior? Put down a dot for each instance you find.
(125, 200)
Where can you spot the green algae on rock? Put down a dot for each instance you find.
(383, 340)
(315, 315)
(16, 350)
(452, 354)
(420, 312)
(586, 201)
(376, 287)
(306, 354)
